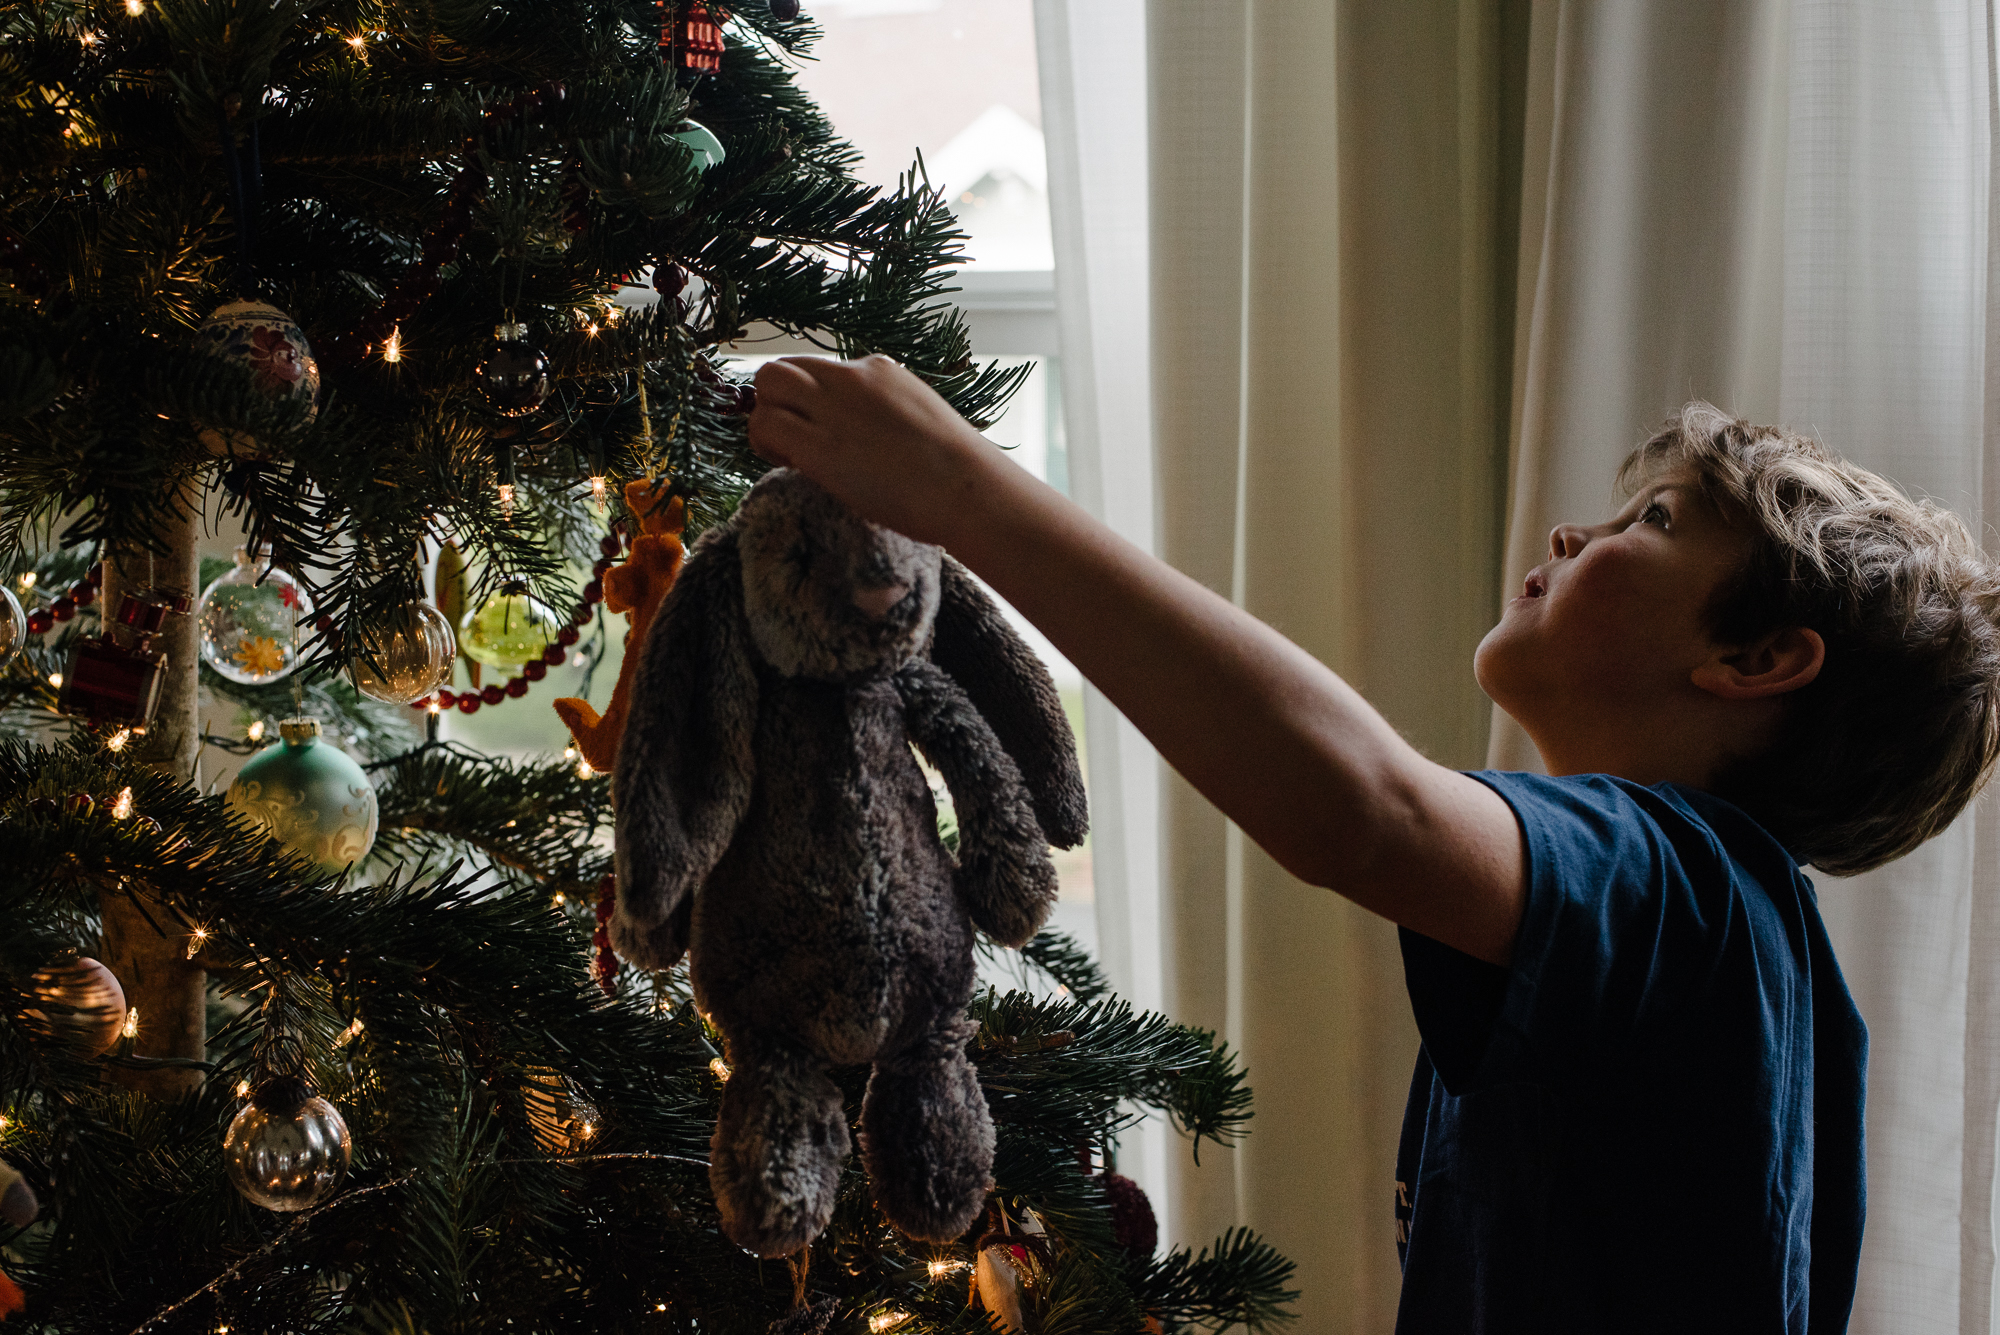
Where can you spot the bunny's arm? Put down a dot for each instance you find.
(1004, 877)
(1011, 689)
(685, 764)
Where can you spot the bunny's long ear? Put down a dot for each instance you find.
(685, 764)
(1017, 697)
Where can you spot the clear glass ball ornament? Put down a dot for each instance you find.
(405, 658)
(286, 1153)
(79, 1004)
(248, 621)
(509, 628)
(13, 626)
(514, 375)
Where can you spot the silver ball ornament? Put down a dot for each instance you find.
(288, 1148)
(81, 1006)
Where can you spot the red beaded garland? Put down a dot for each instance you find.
(517, 687)
(468, 703)
(446, 698)
(492, 694)
(608, 544)
(565, 637)
(553, 656)
(63, 608)
(41, 621)
(534, 669)
(83, 595)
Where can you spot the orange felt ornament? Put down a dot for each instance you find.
(12, 1299)
(636, 587)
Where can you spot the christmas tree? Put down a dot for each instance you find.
(334, 1051)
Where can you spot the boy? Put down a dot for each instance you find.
(1638, 1102)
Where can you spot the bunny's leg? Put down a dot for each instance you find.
(927, 1136)
(774, 1162)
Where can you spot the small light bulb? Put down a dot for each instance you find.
(887, 1320)
(358, 42)
(659, 1307)
(435, 707)
(121, 806)
(584, 771)
(88, 38)
(242, 1089)
(590, 330)
(507, 499)
(597, 492)
(195, 938)
(569, 754)
(941, 1267)
(132, 1023)
(392, 347)
(719, 1068)
(561, 899)
(589, 1130)
(117, 741)
(350, 1033)
(6, 1122)
(55, 680)
(135, 7)
(27, 579)
(257, 731)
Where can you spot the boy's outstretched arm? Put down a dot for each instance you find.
(1276, 740)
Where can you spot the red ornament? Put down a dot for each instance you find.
(446, 699)
(553, 655)
(83, 594)
(534, 669)
(63, 608)
(608, 544)
(698, 39)
(517, 687)
(493, 694)
(41, 621)
(564, 637)
(468, 703)
(604, 964)
(1133, 1225)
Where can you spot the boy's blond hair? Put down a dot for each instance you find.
(1902, 726)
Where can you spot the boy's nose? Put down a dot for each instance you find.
(1567, 540)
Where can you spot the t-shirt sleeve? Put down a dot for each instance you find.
(1630, 897)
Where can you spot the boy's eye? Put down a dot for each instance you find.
(1654, 513)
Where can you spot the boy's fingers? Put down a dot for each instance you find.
(786, 383)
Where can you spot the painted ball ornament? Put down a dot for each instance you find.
(514, 374)
(309, 796)
(268, 344)
(509, 629)
(79, 1004)
(247, 622)
(405, 658)
(288, 1148)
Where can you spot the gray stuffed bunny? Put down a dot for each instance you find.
(772, 818)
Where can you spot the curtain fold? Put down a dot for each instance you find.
(1329, 392)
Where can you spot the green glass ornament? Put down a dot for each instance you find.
(313, 799)
(508, 629)
(701, 141)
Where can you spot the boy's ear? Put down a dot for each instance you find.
(1775, 664)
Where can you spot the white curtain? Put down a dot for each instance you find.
(1783, 207)
(1411, 279)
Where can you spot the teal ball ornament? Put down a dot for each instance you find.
(701, 141)
(309, 796)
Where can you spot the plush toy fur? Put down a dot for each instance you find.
(772, 816)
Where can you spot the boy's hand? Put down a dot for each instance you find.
(875, 436)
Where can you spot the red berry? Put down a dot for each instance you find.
(565, 637)
(468, 703)
(553, 656)
(41, 621)
(608, 544)
(593, 592)
(95, 575)
(534, 669)
(83, 594)
(64, 608)
(446, 698)
(600, 565)
(517, 687)
(492, 694)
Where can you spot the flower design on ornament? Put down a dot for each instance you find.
(260, 654)
(274, 360)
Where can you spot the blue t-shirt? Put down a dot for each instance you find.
(1650, 1121)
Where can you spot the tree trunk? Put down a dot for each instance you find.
(160, 981)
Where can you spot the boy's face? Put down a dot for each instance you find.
(1599, 647)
